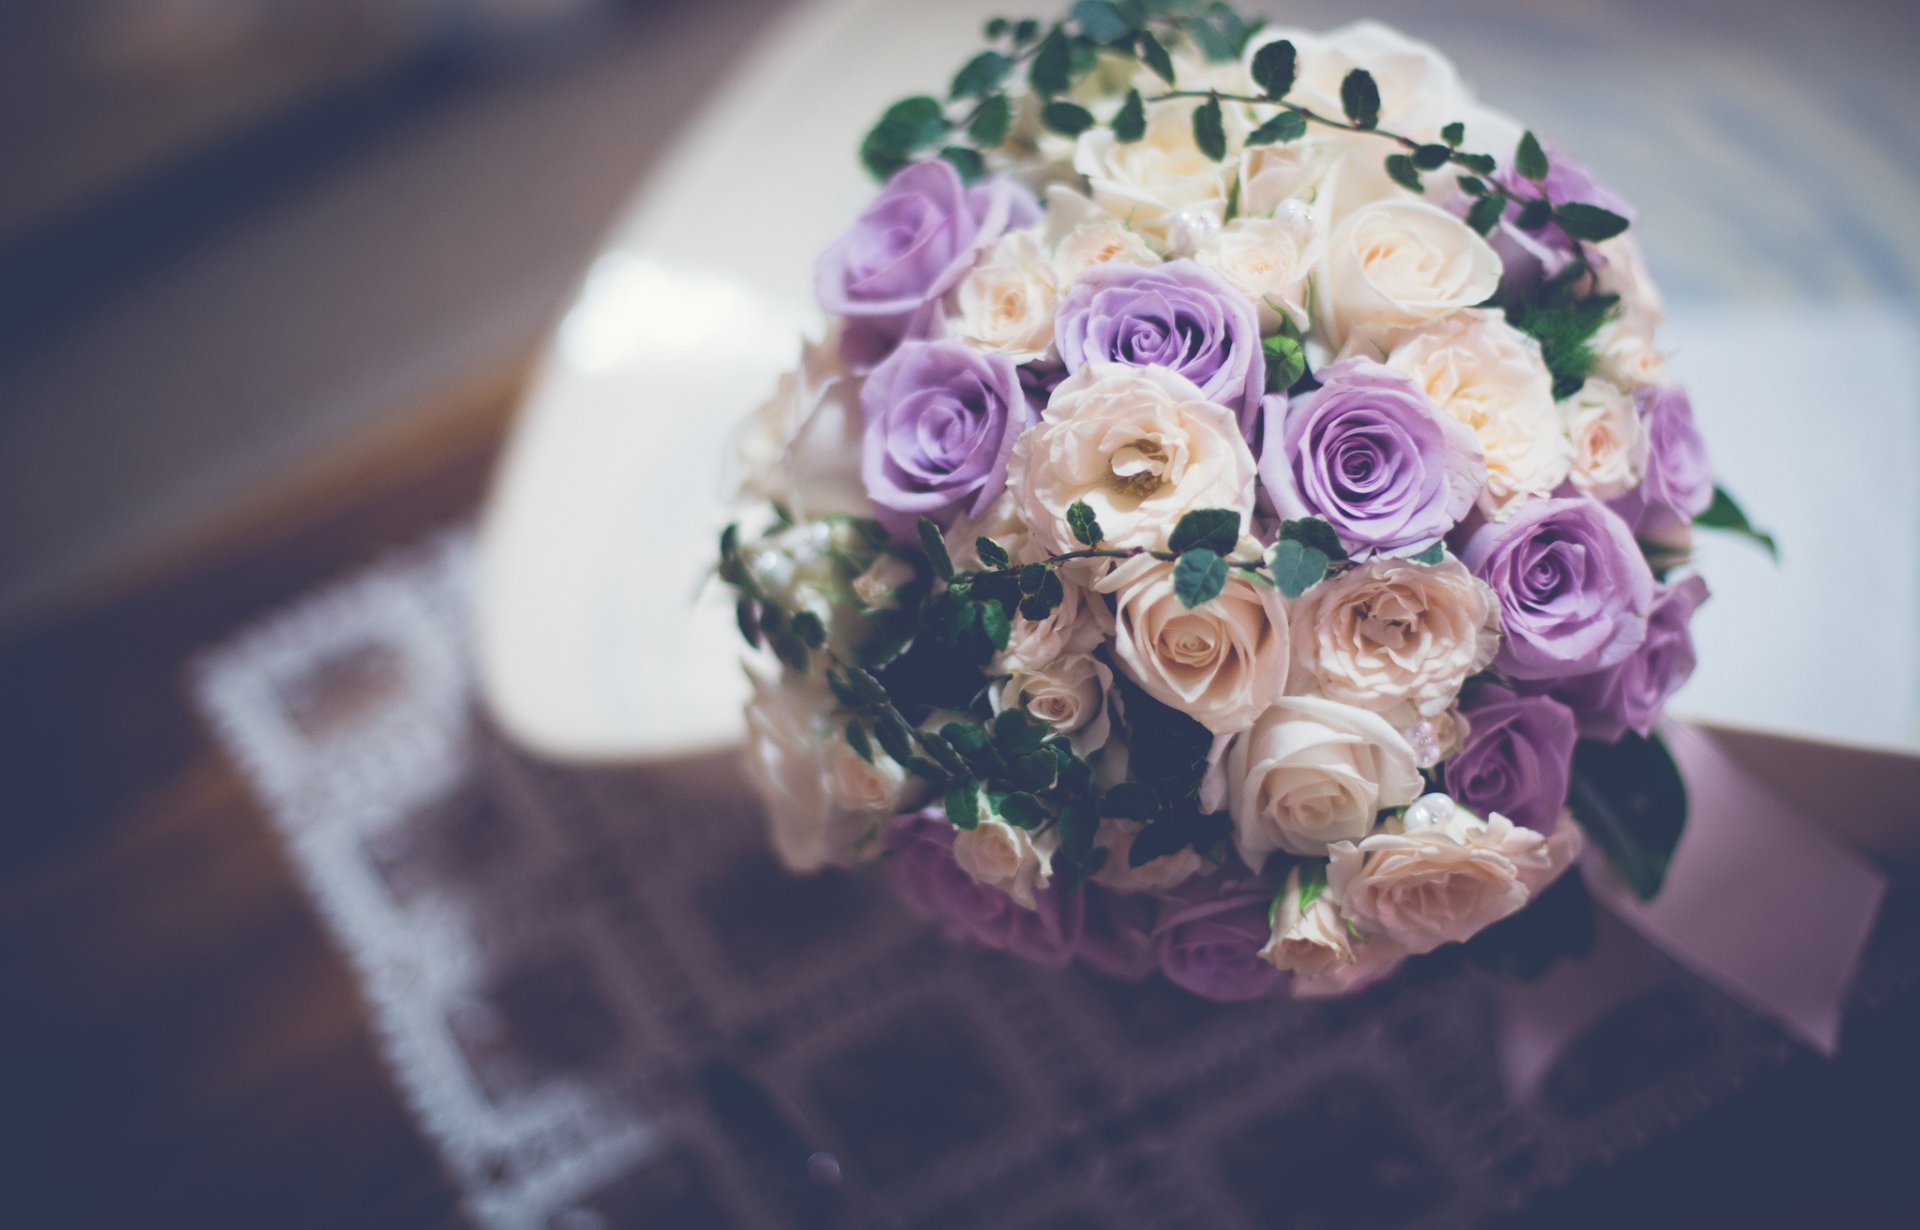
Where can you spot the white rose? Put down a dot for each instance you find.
(1080, 624)
(1082, 235)
(1394, 265)
(1273, 175)
(1156, 875)
(1609, 440)
(1311, 941)
(802, 447)
(1392, 633)
(1220, 663)
(1420, 91)
(824, 803)
(1268, 260)
(1447, 881)
(1140, 445)
(1007, 302)
(1626, 354)
(1373, 960)
(1001, 856)
(1622, 270)
(1312, 772)
(1162, 180)
(1069, 694)
(1492, 377)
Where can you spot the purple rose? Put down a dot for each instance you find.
(1573, 587)
(1118, 938)
(1370, 452)
(1679, 482)
(1632, 694)
(911, 246)
(1517, 759)
(941, 419)
(1213, 948)
(1528, 258)
(1176, 316)
(926, 875)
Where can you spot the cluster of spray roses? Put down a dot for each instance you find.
(1199, 544)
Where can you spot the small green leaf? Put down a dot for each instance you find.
(1274, 67)
(908, 126)
(895, 736)
(1016, 734)
(1286, 361)
(807, 626)
(1049, 74)
(857, 740)
(1401, 170)
(1472, 185)
(1432, 157)
(1296, 567)
(940, 750)
(749, 621)
(1432, 555)
(1453, 134)
(963, 803)
(1084, 524)
(1130, 801)
(1483, 164)
(1313, 882)
(1485, 214)
(1215, 529)
(1630, 800)
(1529, 159)
(991, 553)
(1314, 532)
(862, 688)
(991, 121)
(1534, 215)
(1025, 30)
(1022, 810)
(1284, 127)
(1726, 514)
(1583, 221)
(1360, 98)
(1209, 131)
(1154, 55)
(1102, 21)
(996, 625)
(1067, 119)
(981, 75)
(1032, 577)
(1198, 576)
(1130, 123)
(997, 27)
(936, 548)
(966, 161)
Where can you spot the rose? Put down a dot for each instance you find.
(1003, 857)
(1445, 882)
(1006, 302)
(1373, 960)
(1163, 178)
(1393, 633)
(1069, 694)
(1530, 257)
(822, 807)
(1369, 452)
(1419, 88)
(1212, 948)
(1626, 354)
(1118, 937)
(1631, 695)
(1220, 663)
(1156, 875)
(1574, 589)
(1395, 265)
(1268, 260)
(1141, 446)
(1310, 941)
(916, 240)
(1273, 175)
(1079, 625)
(1609, 440)
(1177, 316)
(1490, 376)
(1679, 482)
(801, 449)
(941, 420)
(1623, 272)
(999, 521)
(1081, 234)
(926, 874)
(1312, 772)
(1517, 758)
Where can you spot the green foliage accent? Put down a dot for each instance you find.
(1050, 72)
(1286, 361)
(808, 627)
(1485, 212)
(1209, 130)
(1102, 21)
(1130, 122)
(857, 740)
(1588, 222)
(1067, 119)
(1630, 799)
(1282, 128)
(1274, 68)
(1130, 801)
(1296, 567)
(1177, 831)
(995, 625)
(1453, 134)
(962, 802)
(1198, 576)
(1213, 529)
(1432, 555)
(1360, 99)
(1529, 160)
(1432, 157)
(1533, 215)
(991, 122)
(1084, 524)
(1154, 55)
(966, 161)
(907, 127)
(1313, 882)
(981, 75)
(1401, 169)
(936, 548)
(1726, 514)
(1565, 327)
(1315, 532)
(991, 553)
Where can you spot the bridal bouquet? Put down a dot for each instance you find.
(1238, 502)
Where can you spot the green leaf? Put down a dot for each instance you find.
(1016, 734)
(1313, 882)
(1432, 555)
(1209, 131)
(1167, 750)
(1583, 221)
(940, 750)
(1483, 164)
(1214, 529)
(857, 740)
(1453, 134)
(991, 121)
(1485, 213)
(807, 626)
(908, 126)
(1630, 799)
(1360, 98)
(1102, 21)
(748, 619)
(1284, 127)
(1022, 810)
(1154, 55)
(1130, 123)
(1286, 361)
(1025, 30)
(1726, 514)
(966, 161)
(895, 736)
(997, 27)
(1529, 160)
(1130, 801)
(1534, 215)
(1084, 524)
(995, 624)
(1296, 567)
(1401, 170)
(1565, 329)
(1274, 67)
(1472, 185)
(981, 75)
(1198, 576)
(861, 688)
(963, 803)
(1432, 157)
(1067, 119)
(1049, 74)
(991, 553)
(936, 548)
(1033, 576)
(1314, 532)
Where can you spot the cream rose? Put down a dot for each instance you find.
(1007, 302)
(1491, 377)
(1622, 270)
(801, 449)
(1080, 624)
(1000, 521)
(1156, 875)
(1609, 440)
(1268, 260)
(1394, 265)
(1626, 354)
(1082, 235)
(1312, 941)
(1161, 182)
(1271, 176)
(1069, 694)
(1312, 772)
(1446, 881)
(1140, 445)
(1391, 634)
(825, 804)
(1001, 856)
(1220, 663)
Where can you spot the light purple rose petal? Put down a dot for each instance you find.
(1517, 759)
(1528, 258)
(926, 875)
(1679, 482)
(1632, 695)
(1212, 949)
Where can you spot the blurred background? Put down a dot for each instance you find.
(271, 273)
